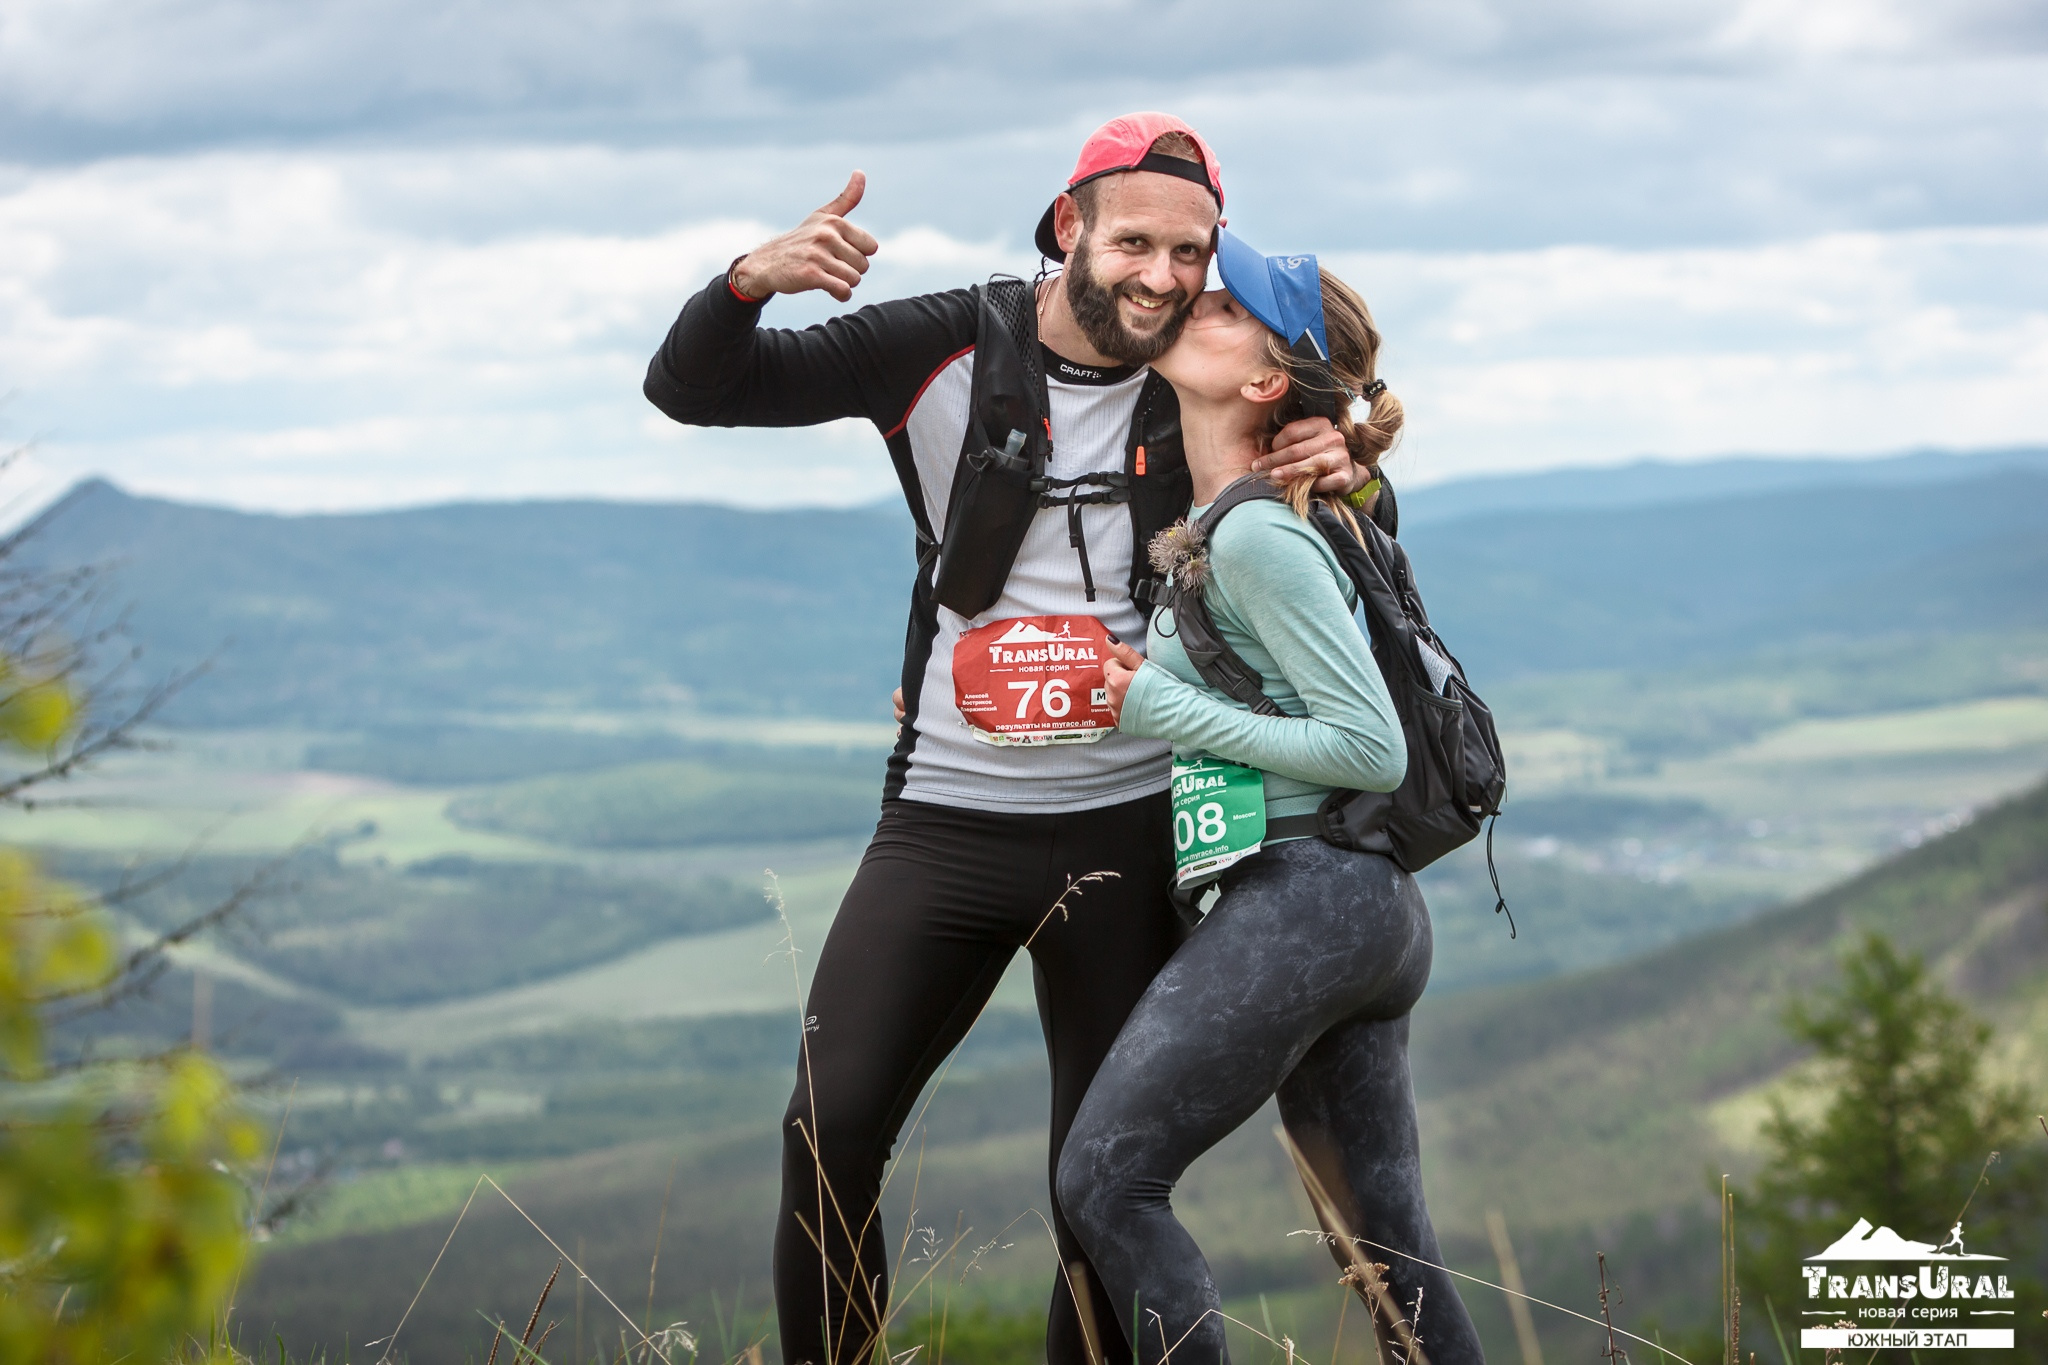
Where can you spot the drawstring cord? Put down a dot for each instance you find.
(1500, 901)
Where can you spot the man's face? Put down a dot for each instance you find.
(1135, 272)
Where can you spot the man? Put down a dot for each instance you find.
(1008, 783)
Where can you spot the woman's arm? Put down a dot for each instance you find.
(1276, 578)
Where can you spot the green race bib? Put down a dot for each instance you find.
(1219, 817)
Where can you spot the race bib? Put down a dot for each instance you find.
(1034, 680)
(1219, 817)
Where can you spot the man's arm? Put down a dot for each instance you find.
(718, 367)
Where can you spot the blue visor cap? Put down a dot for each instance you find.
(1284, 292)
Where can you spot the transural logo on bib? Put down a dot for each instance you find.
(1034, 680)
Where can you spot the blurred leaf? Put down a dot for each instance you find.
(37, 716)
(122, 1226)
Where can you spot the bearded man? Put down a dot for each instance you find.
(1008, 782)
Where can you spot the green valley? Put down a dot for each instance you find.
(539, 875)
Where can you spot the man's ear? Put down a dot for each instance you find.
(1267, 386)
(1066, 223)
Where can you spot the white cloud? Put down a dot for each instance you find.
(356, 252)
(296, 330)
(1840, 344)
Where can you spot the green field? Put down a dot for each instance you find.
(405, 993)
(1590, 1108)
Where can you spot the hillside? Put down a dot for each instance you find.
(390, 616)
(1590, 1108)
(1649, 483)
(376, 619)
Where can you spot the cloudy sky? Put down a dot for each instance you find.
(347, 253)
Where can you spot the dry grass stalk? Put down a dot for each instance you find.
(540, 1303)
(1501, 1288)
(1731, 1293)
(1363, 1275)
(610, 1302)
(1614, 1354)
(1518, 1300)
(1084, 1308)
(660, 1227)
(498, 1334)
(392, 1340)
(227, 1316)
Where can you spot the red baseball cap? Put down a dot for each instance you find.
(1125, 144)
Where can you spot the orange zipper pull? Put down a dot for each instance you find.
(1141, 462)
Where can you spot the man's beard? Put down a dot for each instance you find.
(1095, 309)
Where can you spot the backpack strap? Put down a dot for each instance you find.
(1220, 665)
(1160, 486)
(1002, 455)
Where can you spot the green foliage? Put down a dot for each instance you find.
(680, 805)
(1908, 1120)
(122, 1230)
(978, 1335)
(447, 927)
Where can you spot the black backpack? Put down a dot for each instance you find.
(1456, 776)
(1000, 483)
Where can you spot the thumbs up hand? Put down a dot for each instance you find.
(824, 251)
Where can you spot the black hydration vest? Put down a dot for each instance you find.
(1000, 483)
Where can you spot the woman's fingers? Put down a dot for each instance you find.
(1117, 671)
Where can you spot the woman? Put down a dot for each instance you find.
(1300, 979)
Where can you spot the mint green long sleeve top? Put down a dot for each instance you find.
(1280, 599)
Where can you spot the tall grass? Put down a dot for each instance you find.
(934, 1267)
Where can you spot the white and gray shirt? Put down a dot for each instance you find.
(908, 365)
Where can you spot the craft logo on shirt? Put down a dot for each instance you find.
(1034, 680)
(1872, 1289)
(1080, 374)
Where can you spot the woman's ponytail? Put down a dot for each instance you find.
(1354, 359)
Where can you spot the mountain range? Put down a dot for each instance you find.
(338, 621)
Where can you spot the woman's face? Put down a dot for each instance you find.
(1221, 351)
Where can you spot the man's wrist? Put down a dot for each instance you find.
(739, 290)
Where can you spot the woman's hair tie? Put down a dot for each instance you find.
(1373, 390)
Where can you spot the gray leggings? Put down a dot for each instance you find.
(1299, 982)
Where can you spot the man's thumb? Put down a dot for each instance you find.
(843, 203)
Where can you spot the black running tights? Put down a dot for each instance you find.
(1299, 982)
(943, 900)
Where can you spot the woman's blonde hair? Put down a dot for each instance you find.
(1354, 359)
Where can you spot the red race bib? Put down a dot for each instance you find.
(1034, 680)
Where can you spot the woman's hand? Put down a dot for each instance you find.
(1118, 669)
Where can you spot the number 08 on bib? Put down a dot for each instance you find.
(1219, 817)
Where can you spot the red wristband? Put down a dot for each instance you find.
(733, 285)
